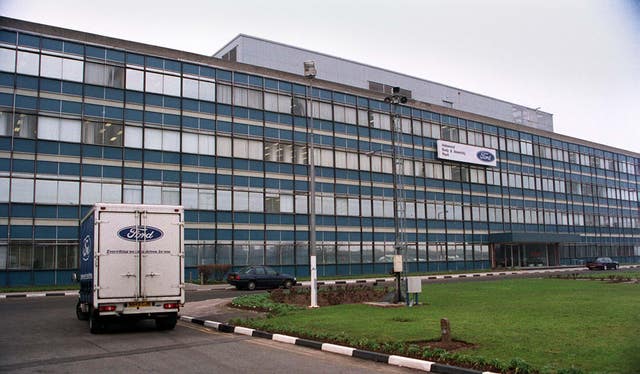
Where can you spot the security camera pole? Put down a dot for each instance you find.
(399, 209)
(310, 72)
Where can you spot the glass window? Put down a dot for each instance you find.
(133, 137)
(59, 129)
(255, 150)
(104, 75)
(153, 82)
(46, 191)
(7, 60)
(190, 88)
(153, 138)
(223, 146)
(21, 190)
(301, 204)
(91, 193)
(223, 199)
(171, 141)
(171, 85)
(170, 196)
(28, 63)
(240, 148)
(152, 195)
(241, 201)
(51, 67)
(135, 80)
(270, 102)
(102, 133)
(4, 190)
(132, 194)
(224, 94)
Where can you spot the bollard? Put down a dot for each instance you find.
(445, 329)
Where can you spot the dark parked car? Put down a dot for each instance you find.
(258, 276)
(602, 263)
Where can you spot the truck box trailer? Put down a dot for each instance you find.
(131, 264)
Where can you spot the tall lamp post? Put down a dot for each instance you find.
(310, 72)
(398, 222)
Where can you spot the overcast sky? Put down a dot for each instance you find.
(576, 59)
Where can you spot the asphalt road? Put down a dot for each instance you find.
(43, 335)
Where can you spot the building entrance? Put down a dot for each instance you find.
(514, 255)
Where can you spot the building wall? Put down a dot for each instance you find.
(82, 123)
(278, 56)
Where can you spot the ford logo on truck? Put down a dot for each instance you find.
(485, 156)
(138, 234)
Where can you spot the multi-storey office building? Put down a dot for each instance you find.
(86, 118)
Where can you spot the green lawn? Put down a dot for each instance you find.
(549, 323)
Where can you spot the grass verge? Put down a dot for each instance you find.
(530, 325)
(69, 287)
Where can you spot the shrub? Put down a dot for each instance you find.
(213, 272)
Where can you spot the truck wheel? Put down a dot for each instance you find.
(81, 315)
(95, 325)
(166, 323)
(251, 286)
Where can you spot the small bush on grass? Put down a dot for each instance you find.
(263, 303)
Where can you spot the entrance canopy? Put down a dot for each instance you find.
(533, 237)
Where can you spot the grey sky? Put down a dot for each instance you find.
(577, 59)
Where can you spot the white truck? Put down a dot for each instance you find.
(131, 264)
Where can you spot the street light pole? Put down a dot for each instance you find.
(310, 72)
(398, 222)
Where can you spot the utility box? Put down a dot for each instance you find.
(397, 263)
(414, 285)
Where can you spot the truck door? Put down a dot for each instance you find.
(118, 259)
(161, 264)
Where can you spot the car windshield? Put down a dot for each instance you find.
(246, 271)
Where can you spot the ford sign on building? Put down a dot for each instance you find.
(466, 153)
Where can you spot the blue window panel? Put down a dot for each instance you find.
(67, 232)
(224, 163)
(47, 167)
(92, 151)
(301, 185)
(240, 78)
(284, 86)
(190, 122)
(241, 164)
(21, 231)
(300, 136)
(51, 85)
(95, 52)
(133, 173)
(29, 83)
(152, 117)
(155, 62)
(241, 112)
(171, 157)
(270, 84)
(223, 75)
(256, 114)
(93, 110)
(24, 145)
(23, 165)
(133, 115)
(153, 99)
(111, 172)
(48, 147)
(152, 174)
(113, 112)
(256, 165)
(208, 161)
(299, 89)
(113, 55)
(50, 105)
(25, 102)
(6, 99)
(8, 36)
(189, 159)
(72, 107)
(189, 177)
(46, 211)
(171, 119)
(191, 234)
(172, 65)
(207, 216)
(171, 102)
(22, 210)
(206, 107)
(89, 170)
(132, 154)
(28, 40)
(171, 176)
(8, 80)
(5, 164)
(256, 182)
(255, 81)
(135, 59)
(224, 234)
(135, 97)
(190, 105)
(114, 94)
(207, 234)
(45, 232)
(94, 91)
(240, 180)
(67, 168)
(207, 124)
(224, 180)
(224, 110)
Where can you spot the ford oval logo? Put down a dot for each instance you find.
(137, 233)
(485, 156)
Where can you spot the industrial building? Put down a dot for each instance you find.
(458, 179)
